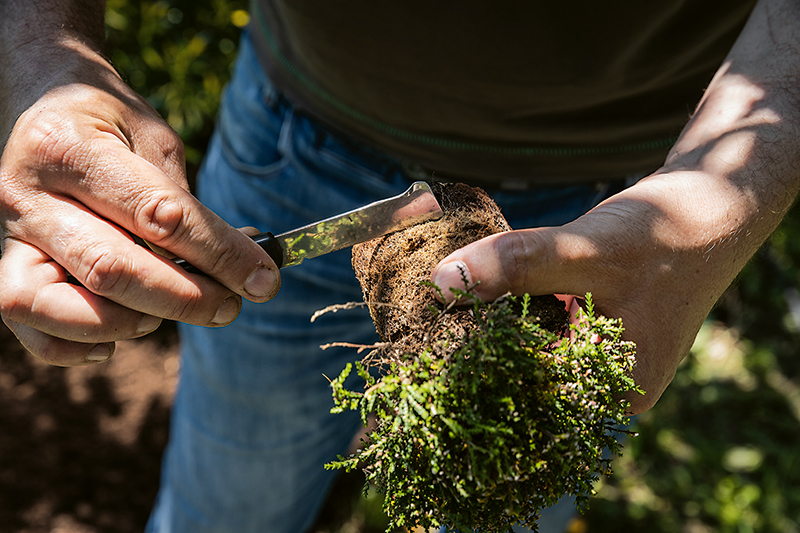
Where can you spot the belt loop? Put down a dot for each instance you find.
(287, 128)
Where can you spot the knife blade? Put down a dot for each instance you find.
(414, 206)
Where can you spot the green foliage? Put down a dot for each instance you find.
(487, 434)
(177, 54)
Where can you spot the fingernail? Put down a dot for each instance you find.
(452, 276)
(227, 311)
(100, 352)
(148, 323)
(261, 282)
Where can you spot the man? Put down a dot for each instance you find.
(552, 109)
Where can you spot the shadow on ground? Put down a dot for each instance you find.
(80, 448)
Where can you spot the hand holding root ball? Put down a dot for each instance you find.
(486, 413)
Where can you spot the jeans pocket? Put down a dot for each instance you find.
(249, 134)
(251, 118)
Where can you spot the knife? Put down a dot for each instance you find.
(416, 205)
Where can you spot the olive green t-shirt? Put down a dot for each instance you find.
(546, 92)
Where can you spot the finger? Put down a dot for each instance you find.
(575, 306)
(95, 159)
(155, 142)
(37, 295)
(59, 352)
(250, 231)
(521, 261)
(479, 267)
(106, 261)
(149, 204)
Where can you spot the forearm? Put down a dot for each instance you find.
(29, 20)
(685, 232)
(742, 145)
(38, 40)
(735, 170)
(659, 254)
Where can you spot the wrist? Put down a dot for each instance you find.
(46, 64)
(26, 22)
(41, 42)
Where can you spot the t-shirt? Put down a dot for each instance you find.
(512, 91)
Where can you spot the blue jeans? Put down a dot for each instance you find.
(251, 428)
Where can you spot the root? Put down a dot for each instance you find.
(351, 305)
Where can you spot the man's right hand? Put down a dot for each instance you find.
(87, 163)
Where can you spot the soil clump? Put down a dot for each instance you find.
(393, 270)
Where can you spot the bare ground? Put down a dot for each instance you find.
(80, 448)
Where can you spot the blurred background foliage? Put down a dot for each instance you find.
(721, 449)
(178, 55)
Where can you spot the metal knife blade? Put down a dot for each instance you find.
(413, 207)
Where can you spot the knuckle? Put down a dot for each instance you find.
(159, 219)
(186, 309)
(23, 152)
(172, 146)
(15, 302)
(12, 205)
(17, 294)
(104, 273)
(515, 253)
(155, 140)
(43, 147)
(47, 136)
(225, 258)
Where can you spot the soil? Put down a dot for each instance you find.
(391, 270)
(80, 448)
(410, 320)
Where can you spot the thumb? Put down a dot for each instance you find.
(534, 261)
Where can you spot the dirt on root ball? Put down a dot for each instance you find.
(392, 269)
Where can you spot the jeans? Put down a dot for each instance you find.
(251, 427)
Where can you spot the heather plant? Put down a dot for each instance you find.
(483, 432)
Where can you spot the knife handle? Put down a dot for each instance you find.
(270, 244)
(266, 240)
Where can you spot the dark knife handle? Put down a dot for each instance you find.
(270, 244)
(266, 240)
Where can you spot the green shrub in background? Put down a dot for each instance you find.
(178, 55)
